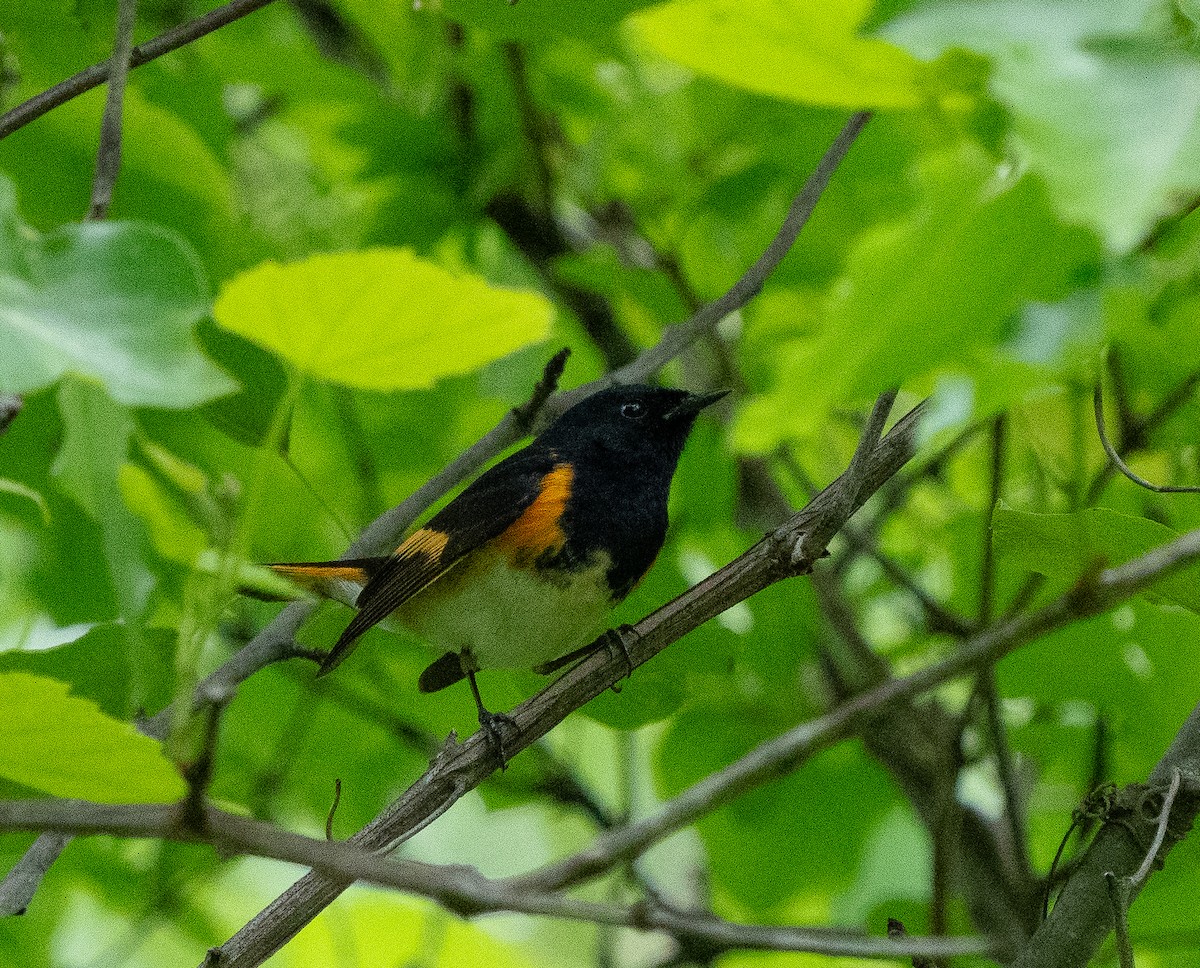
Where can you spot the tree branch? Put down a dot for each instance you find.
(108, 156)
(459, 888)
(1083, 915)
(677, 338)
(97, 74)
(1115, 458)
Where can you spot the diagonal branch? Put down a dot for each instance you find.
(97, 74)
(1083, 916)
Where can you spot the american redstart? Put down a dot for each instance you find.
(523, 567)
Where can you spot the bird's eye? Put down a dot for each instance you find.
(633, 411)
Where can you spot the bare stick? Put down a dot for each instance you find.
(457, 887)
(23, 880)
(1098, 406)
(1164, 819)
(1083, 916)
(108, 157)
(97, 74)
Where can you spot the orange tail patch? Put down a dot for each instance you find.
(321, 577)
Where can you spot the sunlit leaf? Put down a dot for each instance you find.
(383, 319)
(65, 746)
(112, 301)
(1110, 124)
(807, 52)
(923, 292)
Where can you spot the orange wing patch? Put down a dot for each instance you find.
(538, 530)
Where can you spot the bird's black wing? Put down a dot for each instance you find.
(484, 511)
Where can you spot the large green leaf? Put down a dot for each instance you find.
(64, 745)
(97, 438)
(383, 319)
(542, 19)
(795, 49)
(1064, 546)
(923, 292)
(1111, 126)
(114, 301)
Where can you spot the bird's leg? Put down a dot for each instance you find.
(490, 722)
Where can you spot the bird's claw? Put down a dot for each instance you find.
(493, 725)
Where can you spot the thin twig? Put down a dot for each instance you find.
(337, 799)
(22, 882)
(1014, 806)
(987, 571)
(860, 541)
(815, 541)
(457, 887)
(108, 157)
(97, 74)
(1118, 895)
(1083, 915)
(1164, 820)
(1139, 429)
(677, 338)
(1098, 406)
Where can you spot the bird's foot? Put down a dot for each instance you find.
(493, 724)
(614, 641)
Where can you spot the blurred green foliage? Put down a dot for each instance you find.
(350, 183)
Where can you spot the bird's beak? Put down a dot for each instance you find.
(694, 403)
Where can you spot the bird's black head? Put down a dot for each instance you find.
(631, 422)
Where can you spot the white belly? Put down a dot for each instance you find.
(506, 617)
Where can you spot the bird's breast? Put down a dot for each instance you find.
(508, 615)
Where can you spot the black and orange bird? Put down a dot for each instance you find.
(522, 568)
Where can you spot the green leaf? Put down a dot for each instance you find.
(1064, 546)
(87, 468)
(802, 51)
(923, 292)
(65, 746)
(1110, 124)
(112, 301)
(541, 19)
(383, 319)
